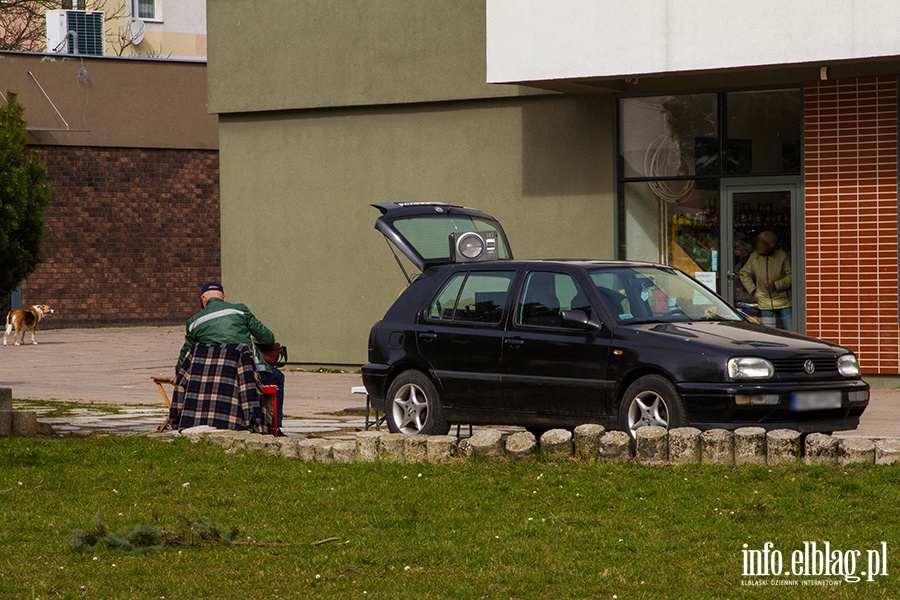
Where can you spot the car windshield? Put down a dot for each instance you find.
(637, 295)
(430, 235)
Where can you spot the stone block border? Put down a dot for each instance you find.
(19, 423)
(588, 443)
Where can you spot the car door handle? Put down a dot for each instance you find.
(428, 336)
(514, 342)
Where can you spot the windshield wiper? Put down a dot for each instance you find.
(658, 321)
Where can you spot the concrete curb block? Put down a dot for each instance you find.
(615, 446)
(557, 444)
(820, 449)
(717, 447)
(853, 451)
(587, 441)
(782, 447)
(887, 452)
(415, 448)
(521, 447)
(749, 446)
(5, 423)
(486, 443)
(441, 448)
(684, 445)
(24, 423)
(652, 446)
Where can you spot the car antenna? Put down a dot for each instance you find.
(399, 263)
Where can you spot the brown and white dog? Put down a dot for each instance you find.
(25, 320)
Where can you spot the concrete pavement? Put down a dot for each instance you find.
(113, 367)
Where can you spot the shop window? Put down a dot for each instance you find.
(683, 233)
(674, 152)
(669, 136)
(763, 132)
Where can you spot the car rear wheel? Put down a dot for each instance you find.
(651, 400)
(414, 406)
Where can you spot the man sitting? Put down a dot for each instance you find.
(221, 322)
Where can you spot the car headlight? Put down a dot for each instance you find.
(848, 366)
(749, 367)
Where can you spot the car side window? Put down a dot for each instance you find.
(613, 291)
(546, 295)
(473, 297)
(445, 302)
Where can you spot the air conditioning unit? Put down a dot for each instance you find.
(76, 32)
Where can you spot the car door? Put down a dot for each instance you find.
(547, 368)
(460, 334)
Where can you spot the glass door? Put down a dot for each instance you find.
(762, 265)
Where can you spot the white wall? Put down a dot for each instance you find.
(533, 40)
(181, 16)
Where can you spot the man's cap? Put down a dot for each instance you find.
(769, 237)
(211, 286)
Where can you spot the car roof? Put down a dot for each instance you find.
(585, 263)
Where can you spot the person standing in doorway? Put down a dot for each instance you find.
(767, 276)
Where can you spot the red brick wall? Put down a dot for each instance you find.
(850, 165)
(129, 235)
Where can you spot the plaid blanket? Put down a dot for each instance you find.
(217, 385)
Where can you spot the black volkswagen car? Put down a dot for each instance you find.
(480, 338)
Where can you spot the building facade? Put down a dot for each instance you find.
(647, 130)
(160, 29)
(730, 123)
(174, 29)
(132, 228)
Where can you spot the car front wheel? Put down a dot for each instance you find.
(651, 400)
(414, 406)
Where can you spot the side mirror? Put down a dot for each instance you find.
(578, 319)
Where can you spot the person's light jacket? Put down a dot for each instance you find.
(760, 270)
(225, 323)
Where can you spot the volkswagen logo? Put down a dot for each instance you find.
(810, 367)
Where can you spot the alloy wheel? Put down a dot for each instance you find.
(647, 408)
(410, 409)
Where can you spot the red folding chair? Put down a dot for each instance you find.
(272, 390)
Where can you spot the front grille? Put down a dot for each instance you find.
(792, 366)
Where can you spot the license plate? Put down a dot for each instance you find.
(801, 401)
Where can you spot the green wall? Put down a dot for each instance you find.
(298, 243)
(326, 107)
(281, 54)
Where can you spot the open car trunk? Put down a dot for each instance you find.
(430, 234)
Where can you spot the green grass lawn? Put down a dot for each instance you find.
(469, 530)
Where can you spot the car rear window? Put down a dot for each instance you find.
(430, 235)
(473, 297)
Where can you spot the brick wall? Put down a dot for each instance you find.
(850, 166)
(130, 235)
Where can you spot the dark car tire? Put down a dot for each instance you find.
(413, 406)
(651, 400)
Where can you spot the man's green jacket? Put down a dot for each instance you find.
(225, 323)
